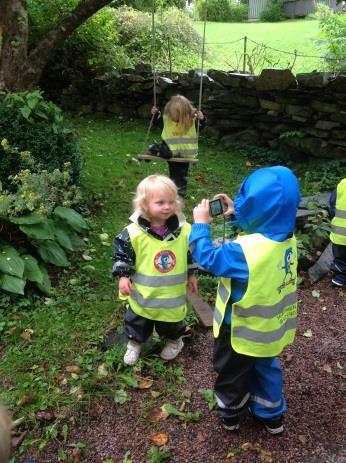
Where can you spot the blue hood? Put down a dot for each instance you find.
(267, 201)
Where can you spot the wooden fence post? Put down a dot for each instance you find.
(245, 51)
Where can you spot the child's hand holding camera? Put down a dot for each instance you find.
(201, 212)
(206, 210)
(228, 202)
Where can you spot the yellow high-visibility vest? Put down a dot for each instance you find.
(264, 320)
(183, 145)
(159, 284)
(338, 233)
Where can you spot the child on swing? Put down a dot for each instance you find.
(179, 137)
(154, 267)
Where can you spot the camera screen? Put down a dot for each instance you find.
(215, 207)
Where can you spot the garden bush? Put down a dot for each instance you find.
(30, 123)
(173, 27)
(333, 31)
(38, 226)
(272, 12)
(220, 10)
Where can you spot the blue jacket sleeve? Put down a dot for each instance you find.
(227, 260)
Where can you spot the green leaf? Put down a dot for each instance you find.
(27, 219)
(10, 261)
(12, 284)
(172, 410)
(26, 111)
(77, 242)
(32, 270)
(72, 217)
(45, 286)
(208, 395)
(0, 185)
(38, 231)
(120, 396)
(51, 252)
(61, 234)
(129, 380)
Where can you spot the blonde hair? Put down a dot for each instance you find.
(147, 187)
(5, 435)
(180, 110)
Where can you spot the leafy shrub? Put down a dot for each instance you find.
(37, 226)
(272, 12)
(30, 123)
(221, 10)
(238, 12)
(333, 30)
(92, 49)
(173, 27)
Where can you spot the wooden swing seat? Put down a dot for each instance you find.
(149, 157)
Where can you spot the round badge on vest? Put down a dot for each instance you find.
(164, 261)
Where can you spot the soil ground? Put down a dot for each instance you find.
(314, 386)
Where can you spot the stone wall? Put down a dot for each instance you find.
(305, 113)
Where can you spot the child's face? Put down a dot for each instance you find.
(161, 206)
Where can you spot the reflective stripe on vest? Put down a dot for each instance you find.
(338, 232)
(181, 144)
(159, 284)
(264, 320)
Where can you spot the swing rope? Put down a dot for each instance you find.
(202, 73)
(153, 66)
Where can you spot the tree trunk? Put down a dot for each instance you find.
(14, 31)
(20, 70)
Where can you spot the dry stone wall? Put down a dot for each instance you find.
(306, 112)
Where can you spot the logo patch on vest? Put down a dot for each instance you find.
(286, 266)
(164, 261)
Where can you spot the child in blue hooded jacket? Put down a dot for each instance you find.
(256, 303)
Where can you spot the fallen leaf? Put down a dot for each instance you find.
(12, 330)
(76, 453)
(248, 164)
(158, 414)
(302, 439)
(155, 394)
(145, 383)
(86, 257)
(182, 406)
(102, 370)
(201, 437)
(26, 335)
(45, 416)
(73, 369)
(339, 366)
(187, 393)
(324, 308)
(327, 368)
(16, 441)
(103, 236)
(24, 399)
(161, 438)
(308, 333)
(315, 293)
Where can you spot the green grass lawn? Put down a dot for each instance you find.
(290, 35)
